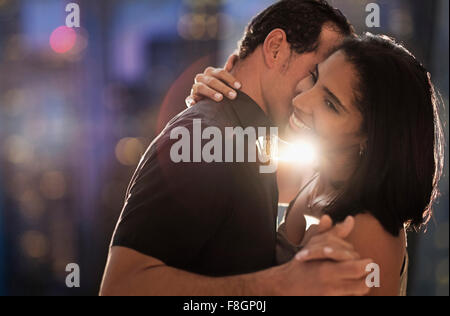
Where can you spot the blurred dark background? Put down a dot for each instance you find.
(79, 106)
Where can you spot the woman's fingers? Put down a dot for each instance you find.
(217, 85)
(327, 246)
(224, 76)
(326, 252)
(190, 102)
(343, 230)
(231, 61)
(312, 231)
(193, 100)
(326, 223)
(328, 239)
(201, 90)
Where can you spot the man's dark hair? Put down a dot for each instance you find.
(302, 20)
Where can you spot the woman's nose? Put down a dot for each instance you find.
(301, 103)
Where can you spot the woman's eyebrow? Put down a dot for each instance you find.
(331, 94)
(335, 98)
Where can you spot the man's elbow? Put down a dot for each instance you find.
(110, 291)
(113, 285)
(126, 271)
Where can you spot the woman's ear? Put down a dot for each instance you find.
(274, 47)
(363, 147)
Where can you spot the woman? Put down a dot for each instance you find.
(372, 110)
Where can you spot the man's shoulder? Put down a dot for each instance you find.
(194, 120)
(211, 113)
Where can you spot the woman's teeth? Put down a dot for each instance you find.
(299, 123)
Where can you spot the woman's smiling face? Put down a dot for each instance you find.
(325, 108)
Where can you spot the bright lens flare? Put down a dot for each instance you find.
(301, 152)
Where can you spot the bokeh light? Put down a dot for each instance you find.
(129, 151)
(53, 185)
(35, 244)
(78, 107)
(18, 150)
(63, 39)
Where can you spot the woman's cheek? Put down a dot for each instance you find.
(329, 134)
(324, 126)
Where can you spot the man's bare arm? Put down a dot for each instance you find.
(319, 272)
(131, 273)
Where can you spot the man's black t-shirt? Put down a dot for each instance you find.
(213, 219)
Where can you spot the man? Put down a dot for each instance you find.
(210, 228)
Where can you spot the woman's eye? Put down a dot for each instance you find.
(331, 106)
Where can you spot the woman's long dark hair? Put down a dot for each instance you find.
(397, 178)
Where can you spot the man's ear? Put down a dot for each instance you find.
(275, 47)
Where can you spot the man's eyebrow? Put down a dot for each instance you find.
(335, 98)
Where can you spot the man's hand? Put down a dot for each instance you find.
(131, 273)
(328, 265)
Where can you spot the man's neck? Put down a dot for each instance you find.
(248, 73)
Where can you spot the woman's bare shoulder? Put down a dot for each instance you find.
(370, 233)
(371, 240)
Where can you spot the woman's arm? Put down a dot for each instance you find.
(295, 224)
(371, 241)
